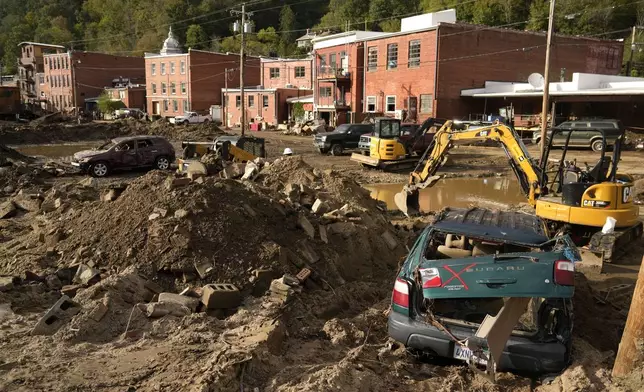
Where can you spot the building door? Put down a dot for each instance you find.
(326, 116)
(156, 107)
(412, 109)
(345, 65)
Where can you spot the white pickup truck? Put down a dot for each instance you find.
(191, 118)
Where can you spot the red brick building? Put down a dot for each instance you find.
(9, 101)
(89, 72)
(287, 73)
(31, 68)
(177, 82)
(420, 71)
(268, 106)
(133, 96)
(338, 79)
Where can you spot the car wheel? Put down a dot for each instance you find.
(597, 145)
(336, 150)
(206, 121)
(99, 169)
(186, 122)
(162, 163)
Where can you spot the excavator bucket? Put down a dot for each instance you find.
(407, 201)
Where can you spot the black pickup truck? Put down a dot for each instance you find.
(345, 136)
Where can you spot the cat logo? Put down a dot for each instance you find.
(483, 133)
(626, 194)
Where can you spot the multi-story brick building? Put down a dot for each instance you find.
(132, 95)
(282, 80)
(338, 79)
(287, 73)
(31, 69)
(419, 72)
(177, 82)
(72, 78)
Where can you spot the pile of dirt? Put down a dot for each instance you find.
(41, 133)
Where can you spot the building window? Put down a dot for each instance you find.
(175, 105)
(372, 59)
(173, 88)
(392, 56)
(371, 104)
(50, 64)
(46, 79)
(300, 72)
(172, 68)
(68, 84)
(185, 105)
(162, 68)
(275, 73)
(41, 79)
(325, 91)
(426, 103)
(414, 54)
(237, 101)
(251, 101)
(183, 88)
(153, 69)
(265, 101)
(154, 88)
(182, 67)
(322, 60)
(163, 89)
(391, 103)
(122, 94)
(332, 61)
(165, 105)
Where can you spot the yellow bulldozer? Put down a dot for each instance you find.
(571, 199)
(226, 148)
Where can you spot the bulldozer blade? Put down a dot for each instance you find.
(407, 201)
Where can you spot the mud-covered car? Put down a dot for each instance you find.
(126, 153)
(466, 266)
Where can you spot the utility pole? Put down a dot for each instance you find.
(243, 28)
(630, 354)
(226, 101)
(546, 81)
(629, 65)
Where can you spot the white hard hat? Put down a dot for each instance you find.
(288, 151)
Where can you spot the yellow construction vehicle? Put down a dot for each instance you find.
(227, 148)
(570, 199)
(390, 148)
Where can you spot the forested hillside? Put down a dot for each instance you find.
(136, 26)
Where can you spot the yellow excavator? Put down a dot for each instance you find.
(575, 200)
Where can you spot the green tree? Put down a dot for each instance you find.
(196, 37)
(107, 105)
(538, 15)
(287, 25)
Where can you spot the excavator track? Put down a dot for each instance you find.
(613, 245)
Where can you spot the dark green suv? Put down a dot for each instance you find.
(585, 134)
(465, 266)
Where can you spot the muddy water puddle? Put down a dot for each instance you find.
(457, 192)
(55, 150)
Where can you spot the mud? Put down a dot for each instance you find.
(329, 333)
(55, 150)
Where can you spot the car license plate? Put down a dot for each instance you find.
(76, 164)
(465, 354)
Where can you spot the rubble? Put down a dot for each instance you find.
(220, 296)
(183, 300)
(56, 316)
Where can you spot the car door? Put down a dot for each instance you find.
(352, 138)
(125, 155)
(146, 152)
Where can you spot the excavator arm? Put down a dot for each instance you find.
(436, 155)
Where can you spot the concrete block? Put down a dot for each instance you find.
(346, 229)
(306, 226)
(250, 171)
(180, 214)
(172, 183)
(390, 240)
(86, 275)
(323, 234)
(290, 280)
(160, 309)
(58, 315)
(221, 296)
(6, 283)
(188, 302)
(320, 207)
(70, 289)
(292, 192)
(234, 170)
(196, 169)
(204, 269)
(99, 311)
(7, 210)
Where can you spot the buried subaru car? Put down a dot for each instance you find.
(126, 153)
(468, 267)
